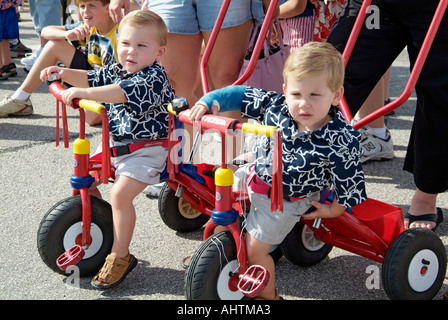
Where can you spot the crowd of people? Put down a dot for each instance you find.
(118, 46)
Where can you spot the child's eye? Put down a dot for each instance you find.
(142, 45)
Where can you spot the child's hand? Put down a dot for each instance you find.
(324, 210)
(72, 93)
(197, 111)
(48, 72)
(79, 33)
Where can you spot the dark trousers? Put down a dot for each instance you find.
(403, 24)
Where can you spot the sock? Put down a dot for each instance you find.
(20, 95)
(380, 132)
(14, 42)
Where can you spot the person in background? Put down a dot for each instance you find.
(9, 30)
(97, 33)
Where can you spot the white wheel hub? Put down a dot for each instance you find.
(423, 270)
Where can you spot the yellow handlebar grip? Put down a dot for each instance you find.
(259, 129)
(91, 105)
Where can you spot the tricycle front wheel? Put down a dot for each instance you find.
(210, 269)
(63, 223)
(414, 266)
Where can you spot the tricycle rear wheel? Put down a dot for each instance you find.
(302, 248)
(177, 213)
(414, 266)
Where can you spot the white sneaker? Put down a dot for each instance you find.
(15, 106)
(30, 58)
(375, 148)
(153, 191)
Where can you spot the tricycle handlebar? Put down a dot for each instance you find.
(57, 89)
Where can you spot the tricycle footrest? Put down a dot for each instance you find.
(253, 281)
(71, 257)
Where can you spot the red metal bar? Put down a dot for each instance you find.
(211, 43)
(416, 70)
(86, 216)
(256, 53)
(259, 44)
(240, 246)
(415, 73)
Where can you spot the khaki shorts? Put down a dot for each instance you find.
(264, 225)
(144, 165)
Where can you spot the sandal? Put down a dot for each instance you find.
(437, 218)
(3, 74)
(114, 271)
(11, 69)
(186, 261)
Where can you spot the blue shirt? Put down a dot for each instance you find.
(148, 93)
(312, 160)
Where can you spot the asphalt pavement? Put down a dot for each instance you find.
(34, 175)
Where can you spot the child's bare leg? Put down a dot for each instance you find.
(122, 194)
(94, 191)
(258, 253)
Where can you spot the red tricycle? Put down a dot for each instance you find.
(78, 230)
(414, 260)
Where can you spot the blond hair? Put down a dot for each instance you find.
(143, 18)
(315, 58)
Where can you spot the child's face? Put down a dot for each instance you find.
(138, 48)
(309, 101)
(94, 13)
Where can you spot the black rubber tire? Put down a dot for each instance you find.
(207, 264)
(169, 212)
(58, 220)
(407, 250)
(297, 252)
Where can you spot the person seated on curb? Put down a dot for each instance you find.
(136, 94)
(319, 149)
(97, 32)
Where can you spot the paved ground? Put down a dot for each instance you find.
(34, 175)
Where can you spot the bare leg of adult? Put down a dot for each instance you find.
(422, 203)
(227, 58)
(182, 66)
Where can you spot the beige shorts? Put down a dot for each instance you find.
(264, 225)
(144, 165)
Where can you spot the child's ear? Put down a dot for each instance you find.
(338, 94)
(284, 88)
(162, 51)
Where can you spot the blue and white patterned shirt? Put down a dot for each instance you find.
(312, 160)
(144, 115)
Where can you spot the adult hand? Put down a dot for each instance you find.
(116, 8)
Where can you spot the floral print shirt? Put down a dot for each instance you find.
(145, 115)
(312, 160)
